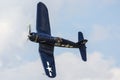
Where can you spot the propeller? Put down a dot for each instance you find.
(29, 31)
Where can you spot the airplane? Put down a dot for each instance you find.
(48, 42)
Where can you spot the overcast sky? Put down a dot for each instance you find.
(98, 20)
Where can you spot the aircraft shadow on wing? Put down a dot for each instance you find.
(47, 42)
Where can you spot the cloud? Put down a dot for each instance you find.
(4, 33)
(28, 71)
(116, 74)
(15, 17)
(69, 66)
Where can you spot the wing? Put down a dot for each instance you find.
(42, 23)
(47, 57)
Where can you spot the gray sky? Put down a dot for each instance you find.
(98, 20)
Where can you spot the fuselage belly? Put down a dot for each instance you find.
(56, 41)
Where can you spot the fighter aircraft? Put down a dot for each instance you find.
(48, 42)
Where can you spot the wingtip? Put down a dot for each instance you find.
(41, 3)
(85, 60)
(53, 76)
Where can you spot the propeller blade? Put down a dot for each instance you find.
(29, 29)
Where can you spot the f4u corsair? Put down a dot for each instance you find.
(47, 42)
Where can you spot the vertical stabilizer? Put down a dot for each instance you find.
(82, 48)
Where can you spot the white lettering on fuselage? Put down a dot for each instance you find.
(63, 45)
(67, 45)
(49, 68)
(57, 44)
(71, 46)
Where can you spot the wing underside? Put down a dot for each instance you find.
(42, 23)
(47, 57)
(46, 51)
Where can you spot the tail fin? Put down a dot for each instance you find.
(82, 48)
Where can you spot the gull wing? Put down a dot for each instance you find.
(42, 23)
(47, 57)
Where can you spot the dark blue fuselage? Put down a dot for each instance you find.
(55, 41)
